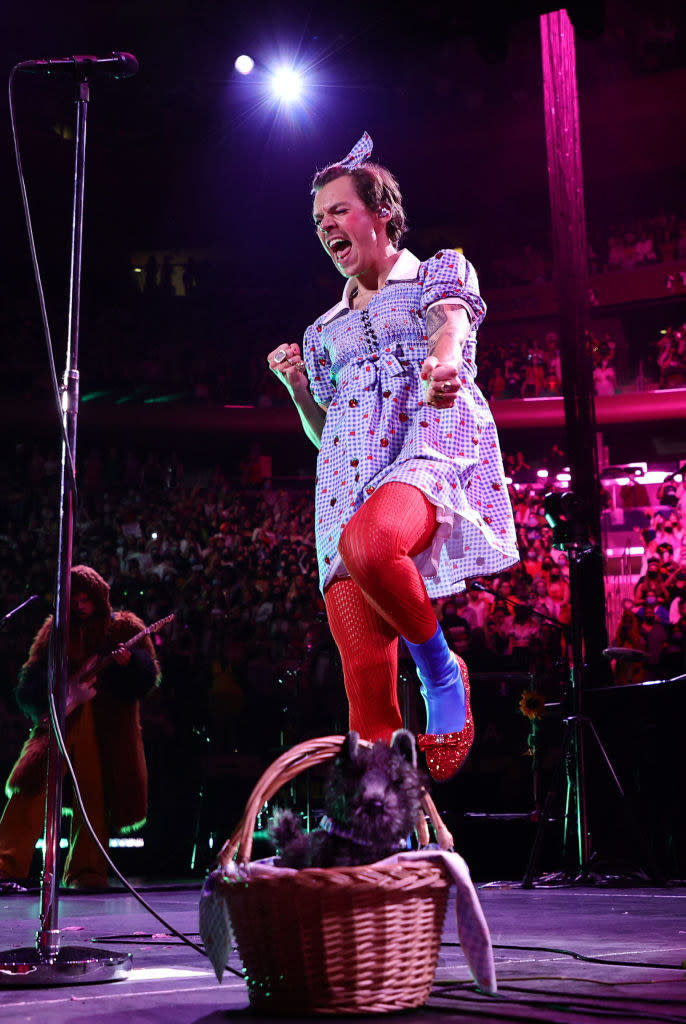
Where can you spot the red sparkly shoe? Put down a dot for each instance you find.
(446, 752)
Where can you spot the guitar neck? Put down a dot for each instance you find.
(107, 659)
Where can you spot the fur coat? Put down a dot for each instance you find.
(116, 711)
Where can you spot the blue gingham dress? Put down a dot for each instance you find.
(366, 365)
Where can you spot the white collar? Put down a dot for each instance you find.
(405, 268)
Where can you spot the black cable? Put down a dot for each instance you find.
(577, 1007)
(585, 959)
(490, 1013)
(41, 293)
(505, 987)
(127, 885)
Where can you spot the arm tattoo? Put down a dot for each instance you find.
(436, 320)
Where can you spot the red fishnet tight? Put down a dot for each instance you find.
(384, 598)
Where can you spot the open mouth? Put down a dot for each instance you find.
(340, 247)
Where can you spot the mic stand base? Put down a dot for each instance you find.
(581, 871)
(71, 965)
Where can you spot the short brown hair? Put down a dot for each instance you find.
(376, 187)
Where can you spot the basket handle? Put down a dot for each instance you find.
(291, 763)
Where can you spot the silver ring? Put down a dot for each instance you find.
(300, 366)
(445, 386)
(280, 355)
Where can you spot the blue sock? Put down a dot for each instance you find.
(442, 686)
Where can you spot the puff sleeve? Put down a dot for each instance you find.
(448, 275)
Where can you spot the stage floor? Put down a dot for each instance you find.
(634, 939)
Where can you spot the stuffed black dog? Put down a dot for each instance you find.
(371, 803)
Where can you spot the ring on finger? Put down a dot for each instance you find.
(445, 386)
(300, 366)
(280, 355)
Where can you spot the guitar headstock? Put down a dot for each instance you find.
(161, 623)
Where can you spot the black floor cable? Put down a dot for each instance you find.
(453, 991)
(588, 1012)
(585, 959)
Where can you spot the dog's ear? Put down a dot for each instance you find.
(350, 747)
(403, 741)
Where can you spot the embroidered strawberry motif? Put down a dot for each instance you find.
(384, 442)
(352, 403)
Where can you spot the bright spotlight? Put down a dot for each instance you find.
(287, 84)
(244, 64)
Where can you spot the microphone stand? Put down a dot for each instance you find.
(47, 963)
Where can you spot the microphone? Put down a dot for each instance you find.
(24, 604)
(119, 65)
(479, 586)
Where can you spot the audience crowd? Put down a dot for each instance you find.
(636, 242)
(249, 666)
(235, 561)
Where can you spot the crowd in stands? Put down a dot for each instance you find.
(530, 367)
(643, 240)
(634, 243)
(249, 665)
(236, 563)
(671, 357)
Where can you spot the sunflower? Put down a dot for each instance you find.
(532, 704)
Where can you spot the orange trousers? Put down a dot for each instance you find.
(23, 818)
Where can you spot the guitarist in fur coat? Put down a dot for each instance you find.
(103, 734)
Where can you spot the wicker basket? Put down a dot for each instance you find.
(334, 940)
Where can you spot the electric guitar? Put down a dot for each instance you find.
(102, 661)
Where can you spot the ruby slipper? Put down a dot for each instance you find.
(446, 752)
